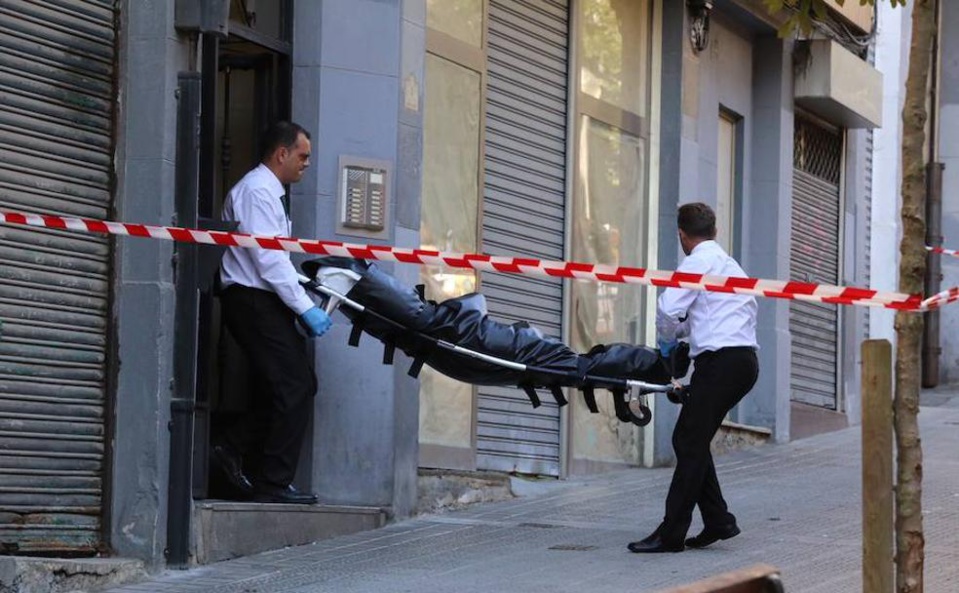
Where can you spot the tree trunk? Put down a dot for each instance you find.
(909, 535)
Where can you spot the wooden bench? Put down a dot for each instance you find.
(761, 578)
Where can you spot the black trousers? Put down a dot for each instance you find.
(720, 380)
(270, 435)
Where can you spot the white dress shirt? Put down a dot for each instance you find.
(255, 203)
(714, 320)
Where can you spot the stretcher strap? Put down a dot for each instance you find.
(416, 367)
(589, 394)
(620, 405)
(557, 392)
(389, 350)
(419, 358)
(359, 324)
(355, 335)
(531, 394)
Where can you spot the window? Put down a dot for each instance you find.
(609, 214)
(609, 201)
(452, 163)
(727, 183)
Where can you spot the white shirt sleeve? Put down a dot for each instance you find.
(261, 214)
(674, 303)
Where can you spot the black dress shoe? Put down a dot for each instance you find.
(653, 545)
(278, 494)
(712, 535)
(228, 461)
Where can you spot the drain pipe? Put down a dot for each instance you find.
(933, 280)
(182, 404)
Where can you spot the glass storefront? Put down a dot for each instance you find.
(610, 219)
(452, 136)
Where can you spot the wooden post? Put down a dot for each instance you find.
(878, 561)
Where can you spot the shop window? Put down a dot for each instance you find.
(460, 19)
(610, 223)
(613, 50)
(609, 216)
(608, 229)
(452, 164)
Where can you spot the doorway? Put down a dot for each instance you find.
(246, 87)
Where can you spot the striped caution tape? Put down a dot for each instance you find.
(804, 291)
(942, 250)
(942, 298)
(947, 296)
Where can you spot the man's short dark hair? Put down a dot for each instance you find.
(697, 220)
(282, 133)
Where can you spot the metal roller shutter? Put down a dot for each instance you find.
(57, 66)
(814, 257)
(523, 212)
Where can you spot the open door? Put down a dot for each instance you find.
(246, 87)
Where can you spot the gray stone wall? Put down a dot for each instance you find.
(357, 84)
(767, 230)
(151, 55)
(948, 139)
(751, 76)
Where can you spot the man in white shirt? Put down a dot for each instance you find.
(721, 328)
(262, 300)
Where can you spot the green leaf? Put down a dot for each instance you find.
(820, 10)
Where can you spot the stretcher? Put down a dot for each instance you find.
(458, 338)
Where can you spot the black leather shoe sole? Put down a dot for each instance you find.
(268, 499)
(707, 538)
(654, 546)
(283, 497)
(229, 466)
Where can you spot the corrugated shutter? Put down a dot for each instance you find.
(56, 136)
(814, 257)
(523, 212)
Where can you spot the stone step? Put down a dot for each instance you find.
(230, 529)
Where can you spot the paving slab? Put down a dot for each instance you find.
(798, 504)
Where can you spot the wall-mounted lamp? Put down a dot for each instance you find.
(699, 23)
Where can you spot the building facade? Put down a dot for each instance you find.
(554, 129)
(941, 355)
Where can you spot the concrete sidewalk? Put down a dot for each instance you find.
(798, 506)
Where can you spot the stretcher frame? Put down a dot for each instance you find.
(635, 410)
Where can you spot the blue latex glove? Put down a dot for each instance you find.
(316, 321)
(666, 346)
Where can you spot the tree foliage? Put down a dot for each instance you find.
(803, 13)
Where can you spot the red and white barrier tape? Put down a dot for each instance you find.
(805, 291)
(942, 298)
(942, 250)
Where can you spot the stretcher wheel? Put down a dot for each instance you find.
(678, 395)
(639, 414)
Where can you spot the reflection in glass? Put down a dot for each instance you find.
(462, 19)
(448, 219)
(614, 51)
(609, 227)
(726, 184)
(450, 202)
